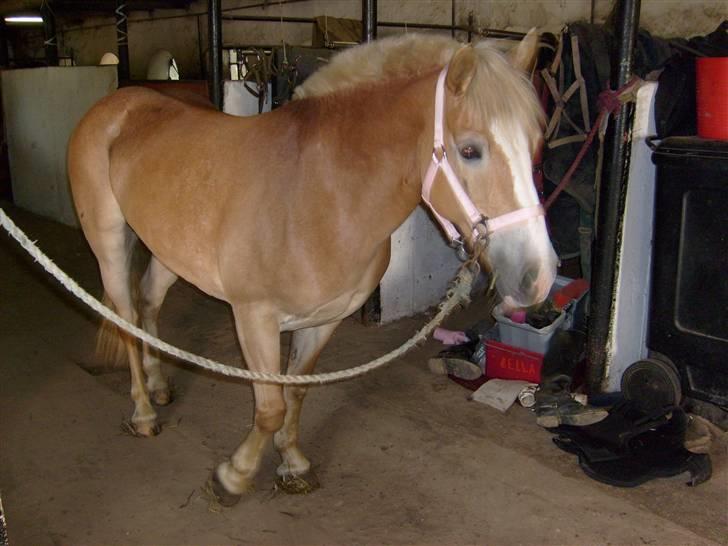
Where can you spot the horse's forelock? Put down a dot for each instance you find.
(501, 94)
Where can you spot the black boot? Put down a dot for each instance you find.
(555, 405)
(554, 409)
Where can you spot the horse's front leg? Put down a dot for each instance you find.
(294, 473)
(259, 335)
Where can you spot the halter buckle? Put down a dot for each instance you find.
(439, 154)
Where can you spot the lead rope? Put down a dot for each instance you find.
(457, 294)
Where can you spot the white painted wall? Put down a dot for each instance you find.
(238, 101)
(41, 107)
(665, 18)
(627, 342)
(420, 269)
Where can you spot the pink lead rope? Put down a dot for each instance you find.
(481, 226)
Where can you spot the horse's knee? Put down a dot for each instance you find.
(270, 417)
(148, 307)
(296, 393)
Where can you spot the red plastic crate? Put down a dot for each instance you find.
(507, 362)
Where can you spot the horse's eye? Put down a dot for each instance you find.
(470, 152)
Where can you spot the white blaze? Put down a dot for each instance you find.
(514, 145)
(516, 249)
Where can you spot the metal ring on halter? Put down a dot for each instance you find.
(473, 265)
(483, 235)
(460, 251)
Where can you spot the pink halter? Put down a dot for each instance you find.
(481, 227)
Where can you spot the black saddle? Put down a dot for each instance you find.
(632, 446)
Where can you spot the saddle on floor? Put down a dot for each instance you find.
(633, 445)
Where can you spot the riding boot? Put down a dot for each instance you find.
(458, 361)
(561, 408)
(554, 404)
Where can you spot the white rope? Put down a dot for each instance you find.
(459, 293)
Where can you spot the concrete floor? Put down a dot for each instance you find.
(402, 456)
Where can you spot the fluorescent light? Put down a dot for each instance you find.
(24, 19)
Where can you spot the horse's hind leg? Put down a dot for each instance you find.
(154, 285)
(306, 346)
(113, 249)
(112, 242)
(259, 335)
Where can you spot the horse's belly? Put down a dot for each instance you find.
(332, 311)
(345, 304)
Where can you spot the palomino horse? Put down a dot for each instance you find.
(287, 216)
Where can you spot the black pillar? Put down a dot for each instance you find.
(49, 34)
(214, 31)
(612, 191)
(122, 40)
(4, 57)
(452, 18)
(368, 20)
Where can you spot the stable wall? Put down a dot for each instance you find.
(177, 30)
(41, 108)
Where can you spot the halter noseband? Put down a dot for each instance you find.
(481, 226)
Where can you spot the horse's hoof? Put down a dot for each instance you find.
(298, 485)
(216, 490)
(145, 429)
(161, 397)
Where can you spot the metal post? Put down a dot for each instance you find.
(4, 59)
(122, 40)
(214, 32)
(49, 34)
(611, 195)
(452, 18)
(371, 311)
(368, 20)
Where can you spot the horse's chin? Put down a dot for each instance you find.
(524, 263)
(515, 298)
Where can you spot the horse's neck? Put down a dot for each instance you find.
(379, 141)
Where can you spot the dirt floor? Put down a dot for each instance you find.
(401, 454)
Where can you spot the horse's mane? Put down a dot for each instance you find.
(498, 91)
(408, 55)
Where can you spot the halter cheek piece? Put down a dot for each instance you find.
(481, 226)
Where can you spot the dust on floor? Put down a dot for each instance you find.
(401, 454)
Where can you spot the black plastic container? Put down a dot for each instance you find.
(689, 298)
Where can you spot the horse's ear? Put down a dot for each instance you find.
(525, 54)
(461, 70)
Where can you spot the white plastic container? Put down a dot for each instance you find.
(533, 339)
(524, 335)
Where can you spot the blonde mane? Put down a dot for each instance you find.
(498, 91)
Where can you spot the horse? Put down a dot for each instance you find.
(287, 216)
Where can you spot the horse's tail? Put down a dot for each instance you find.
(110, 345)
(110, 339)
